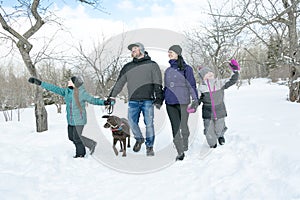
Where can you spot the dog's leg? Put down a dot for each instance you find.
(114, 147)
(124, 144)
(128, 138)
(121, 150)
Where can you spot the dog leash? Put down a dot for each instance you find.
(110, 109)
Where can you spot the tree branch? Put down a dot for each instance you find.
(9, 29)
(39, 22)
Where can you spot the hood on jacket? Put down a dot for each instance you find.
(203, 71)
(146, 57)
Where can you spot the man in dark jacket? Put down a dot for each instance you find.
(144, 85)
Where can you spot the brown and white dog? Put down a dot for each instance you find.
(120, 131)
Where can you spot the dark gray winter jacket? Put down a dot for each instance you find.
(143, 78)
(217, 88)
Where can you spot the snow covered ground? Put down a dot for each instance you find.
(260, 159)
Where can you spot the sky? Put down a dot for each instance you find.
(175, 15)
(84, 25)
(128, 10)
(260, 159)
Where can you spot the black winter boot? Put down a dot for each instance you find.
(150, 151)
(180, 157)
(78, 156)
(221, 140)
(138, 145)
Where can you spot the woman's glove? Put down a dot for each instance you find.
(193, 107)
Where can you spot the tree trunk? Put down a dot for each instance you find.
(293, 50)
(294, 84)
(40, 112)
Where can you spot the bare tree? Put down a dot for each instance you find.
(15, 93)
(103, 63)
(265, 19)
(211, 45)
(34, 11)
(24, 46)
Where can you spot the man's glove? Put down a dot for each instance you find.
(109, 101)
(234, 65)
(158, 103)
(34, 80)
(193, 107)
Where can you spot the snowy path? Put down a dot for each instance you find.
(259, 160)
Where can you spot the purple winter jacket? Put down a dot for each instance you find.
(180, 85)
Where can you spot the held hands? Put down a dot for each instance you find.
(158, 103)
(34, 80)
(234, 65)
(110, 101)
(193, 107)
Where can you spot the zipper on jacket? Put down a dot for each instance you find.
(71, 112)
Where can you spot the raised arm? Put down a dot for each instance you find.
(235, 67)
(53, 88)
(48, 86)
(233, 79)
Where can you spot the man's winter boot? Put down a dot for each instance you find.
(150, 151)
(214, 146)
(138, 145)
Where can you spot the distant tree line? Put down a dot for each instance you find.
(261, 35)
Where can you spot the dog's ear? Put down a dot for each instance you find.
(105, 116)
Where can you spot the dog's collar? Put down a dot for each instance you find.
(112, 126)
(115, 129)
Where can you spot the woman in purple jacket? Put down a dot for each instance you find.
(180, 87)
